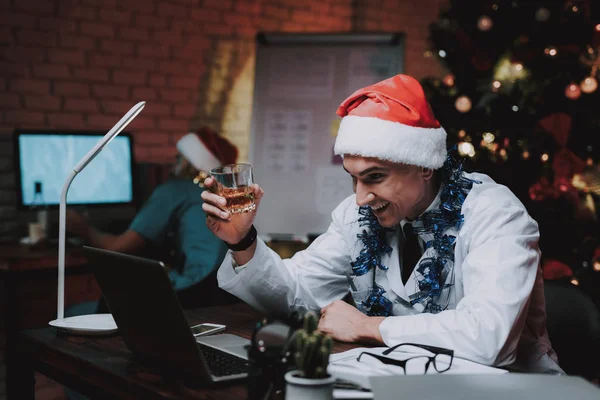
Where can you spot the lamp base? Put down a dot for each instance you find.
(92, 324)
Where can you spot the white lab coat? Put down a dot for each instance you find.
(496, 312)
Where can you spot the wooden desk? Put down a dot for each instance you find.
(22, 258)
(104, 367)
(29, 276)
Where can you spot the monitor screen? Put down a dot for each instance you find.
(44, 161)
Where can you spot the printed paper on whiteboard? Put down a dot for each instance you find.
(305, 75)
(333, 185)
(286, 140)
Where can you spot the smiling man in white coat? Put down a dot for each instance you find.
(432, 255)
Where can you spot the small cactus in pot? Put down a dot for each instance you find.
(311, 349)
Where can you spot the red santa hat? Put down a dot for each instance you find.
(391, 120)
(206, 150)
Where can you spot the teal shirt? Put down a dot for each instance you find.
(173, 213)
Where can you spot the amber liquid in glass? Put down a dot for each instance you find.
(239, 200)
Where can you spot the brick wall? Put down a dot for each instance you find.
(80, 64)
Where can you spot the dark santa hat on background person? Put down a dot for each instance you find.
(391, 120)
(206, 150)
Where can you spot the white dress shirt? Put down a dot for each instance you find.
(495, 301)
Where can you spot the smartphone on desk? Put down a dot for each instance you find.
(206, 329)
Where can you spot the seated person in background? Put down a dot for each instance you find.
(432, 255)
(173, 218)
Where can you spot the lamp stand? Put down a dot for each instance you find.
(92, 324)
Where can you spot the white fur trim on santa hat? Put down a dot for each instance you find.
(391, 141)
(191, 147)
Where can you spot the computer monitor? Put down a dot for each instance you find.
(44, 159)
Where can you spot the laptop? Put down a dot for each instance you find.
(512, 386)
(145, 307)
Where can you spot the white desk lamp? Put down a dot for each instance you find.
(94, 324)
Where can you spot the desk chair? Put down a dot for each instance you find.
(573, 322)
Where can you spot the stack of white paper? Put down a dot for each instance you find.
(344, 365)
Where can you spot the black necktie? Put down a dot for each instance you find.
(411, 251)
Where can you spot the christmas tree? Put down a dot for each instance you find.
(522, 103)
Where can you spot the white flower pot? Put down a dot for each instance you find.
(298, 388)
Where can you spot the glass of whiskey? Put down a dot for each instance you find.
(234, 183)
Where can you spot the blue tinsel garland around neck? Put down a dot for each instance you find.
(455, 188)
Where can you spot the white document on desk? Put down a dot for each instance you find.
(344, 366)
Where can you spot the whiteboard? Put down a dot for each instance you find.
(300, 81)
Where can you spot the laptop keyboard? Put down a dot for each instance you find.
(221, 363)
